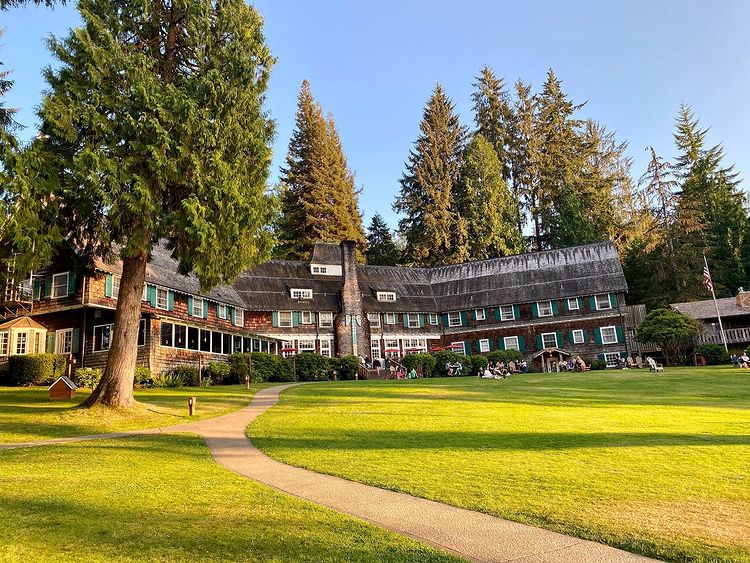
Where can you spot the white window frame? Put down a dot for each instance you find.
(221, 310)
(144, 296)
(612, 359)
(573, 304)
(480, 314)
(301, 293)
(319, 270)
(391, 344)
(287, 344)
(578, 337)
(412, 320)
(25, 341)
(375, 348)
(60, 341)
(452, 321)
(433, 318)
(511, 343)
(484, 344)
(602, 307)
(374, 319)
(539, 309)
(116, 286)
(614, 334)
(507, 313)
(197, 301)
(463, 347)
(545, 334)
(306, 345)
(415, 343)
(163, 303)
(386, 295)
(55, 285)
(239, 317)
(307, 318)
(4, 343)
(325, 319)
(143, 321)
(325, 347)
(391, 318)
(282, 323)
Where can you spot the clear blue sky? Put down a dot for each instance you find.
(374, 64)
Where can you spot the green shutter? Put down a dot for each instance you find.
(489, 344)
(586, 337)
(75, 340)
(580, 303)
(539, 344)
(559, 340)
(467, 347)
(71, 283)
(497, 314)
(613, 300)
(474, 314)
(50, 349)
(190, 305)
(232, 314)
(421, 320)
(275, 319)
(555, 307)
(501, 343)
(445, 319)
(296, 318)
(521, 343)
(108, 285)
(205, 309)
(534, 311)
(151, 295)
(570, 338)
(405, 320)
(48, 286)
(464, 319)
(592, 302)
(600, 357)
(516, 312)
(598, 335)
(620, 334)
(170, 300)
(216, 310)
(37, 289)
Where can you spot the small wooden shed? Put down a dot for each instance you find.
(62, 389)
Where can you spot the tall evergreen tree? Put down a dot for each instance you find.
(319, 199)
(493, 115)
(433, 232)
(381, 248)
(6, 114)
(153, 128)
(484, 201)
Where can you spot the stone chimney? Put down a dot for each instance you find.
(350, 323)
(743, 298)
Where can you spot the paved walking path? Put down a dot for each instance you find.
(470, 534)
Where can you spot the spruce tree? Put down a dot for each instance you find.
(153, 127)
(319, 199)
(381, 248)
(433, 231)
(6, 114)
(486, 204)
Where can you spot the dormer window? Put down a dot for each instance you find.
(301, 293)
(320, 269)
(386, 295)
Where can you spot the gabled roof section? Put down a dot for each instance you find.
(21, 323)
(703, 310)
(414, 293)
(326, 253)
(552, 274)
(66, 380)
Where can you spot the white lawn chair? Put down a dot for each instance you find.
(653, 366)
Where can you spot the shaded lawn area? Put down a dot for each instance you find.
(655, 464)
(27, 414)
(163, 498)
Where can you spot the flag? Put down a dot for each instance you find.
(707, 278)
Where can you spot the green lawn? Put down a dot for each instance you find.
(27, 414)
(656, 464)
(163, 498)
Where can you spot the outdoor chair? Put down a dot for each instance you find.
(653, 366)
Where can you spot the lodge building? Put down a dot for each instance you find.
(549, 305)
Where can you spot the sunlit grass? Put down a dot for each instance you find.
(655, 464)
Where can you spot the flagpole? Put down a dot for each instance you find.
(716, 305)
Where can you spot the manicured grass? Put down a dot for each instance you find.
(656, 464)
(27, 414)
(163, 498)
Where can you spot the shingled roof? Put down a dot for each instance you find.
(703, 310)
(326, 253)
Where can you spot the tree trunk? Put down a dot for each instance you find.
(116, 386)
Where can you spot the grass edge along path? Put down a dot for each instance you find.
(27, 414)
(164, 498)
(650, 464)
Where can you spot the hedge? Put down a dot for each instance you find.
(345, 367)
(478, 363)
(87, 377)
(187, 374)
(36, 369)
(423, 363)
(714, 353)
(448, 357)
(504, 356)
(217, 373)
(311, 366)
(265, 367)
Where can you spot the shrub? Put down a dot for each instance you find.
(143, 377)
(311, 366)
(36, 369)
(264, 367)
(188, 375)
(423, 363)
(168, 379)
(4, 374)
(478, 363)
(504, 356)
(87, 377)
(239, 367)
(596, 364)
(217, 373)
(714, 353)
(345, 367)
(448, 357)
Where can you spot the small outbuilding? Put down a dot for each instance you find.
(62, 390)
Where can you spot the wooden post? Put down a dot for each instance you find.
(247, 382)
(191, 405)
(200, 369)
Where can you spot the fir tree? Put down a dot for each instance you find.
(319, 199)
(433, 232)
(381, 248)
(493, 115)
(153, 127)
(486, 204)
(6, 114)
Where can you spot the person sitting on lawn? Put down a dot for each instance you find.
(639, 361)
(412, 374)
(524, 366)
(487, 374)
